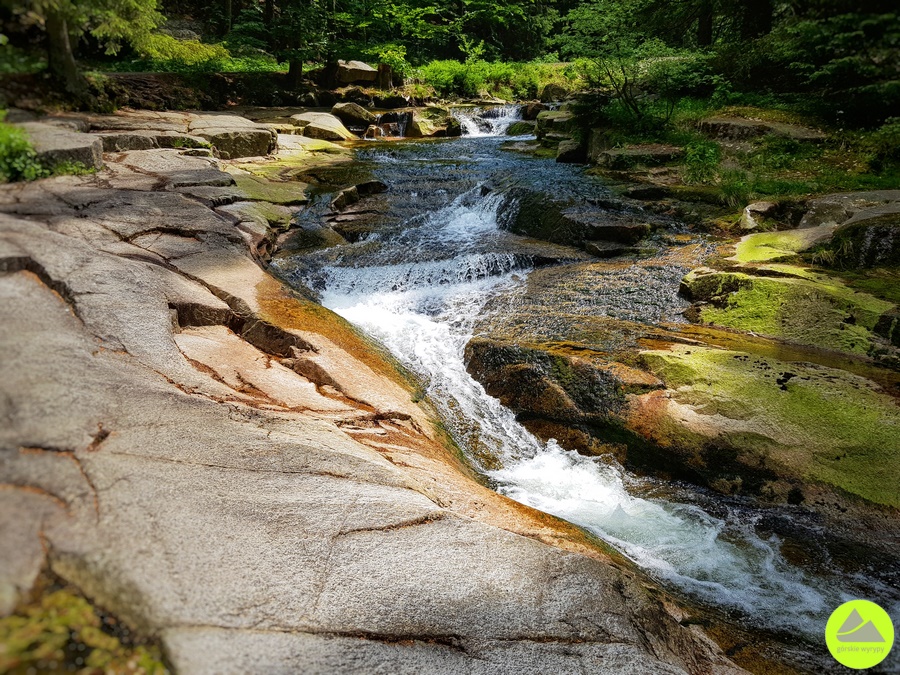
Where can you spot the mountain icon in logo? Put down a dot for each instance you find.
(857, 629)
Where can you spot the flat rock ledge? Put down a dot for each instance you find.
(234, 471)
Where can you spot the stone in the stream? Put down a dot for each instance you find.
(433, 122)
(753, 213)
(554, 121)
(57, 145)
(353, 114)
(520, 128)
(323, 126)
(234, 136)
(571, 152)
(870, 238)
(530, 111)
(552, 92)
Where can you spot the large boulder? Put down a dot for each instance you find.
(323, 126)
(433, 122)
(520, 128)
(739, 129)
(532, 214)
(353, 115)
(530, 111)
(553, 92)
(234, 136)
(571, 152)
(554, 121)
(652, 154)
(57, 145)
(349, 72)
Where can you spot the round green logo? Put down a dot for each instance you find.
(859, 634)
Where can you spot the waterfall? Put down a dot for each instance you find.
(487, 121)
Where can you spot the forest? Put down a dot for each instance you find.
(835, 58)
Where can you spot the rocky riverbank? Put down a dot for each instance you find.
(238, 475)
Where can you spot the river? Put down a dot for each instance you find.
(419, 286)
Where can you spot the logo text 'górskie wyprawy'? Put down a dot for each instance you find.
(859, 634)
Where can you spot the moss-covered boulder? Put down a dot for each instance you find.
(433, 122)
(817, 310)
(555, 121)
(749, 423)
(520, 128)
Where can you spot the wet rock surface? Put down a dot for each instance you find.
(237, 473)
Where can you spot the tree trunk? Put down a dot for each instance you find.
(268, 12)
(229, 15)
(60, 59)
(757, 18)
(295, 73)
(705, 25)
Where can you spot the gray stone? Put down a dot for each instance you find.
(739, 129)
(571, 152)
(128, 140)
(55, 145)
(322, 126)
(645, 155)
(353, 114)
(350, 72)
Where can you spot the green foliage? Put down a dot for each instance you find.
(394, 55)
(702, 161)
(172, 54)
(61, 632)
(18, 160)
(884, 144)
(507, 80)
(14, 60)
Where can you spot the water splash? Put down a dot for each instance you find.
(490, 121)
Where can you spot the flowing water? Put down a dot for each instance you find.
(419, 287)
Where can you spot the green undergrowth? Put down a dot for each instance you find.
(20, 162)
(509, 81)
(807, 421)
(62, 632)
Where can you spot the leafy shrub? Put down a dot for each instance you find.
(393, 55)
(884, 144)
(18, 160)
(168, 54)
(508, 80)
(701, 159)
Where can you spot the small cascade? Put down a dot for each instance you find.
(487, 121)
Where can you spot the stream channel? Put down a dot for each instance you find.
(420, 278)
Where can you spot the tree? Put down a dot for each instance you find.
(65, 21)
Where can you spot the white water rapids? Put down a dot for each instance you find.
(424, 309)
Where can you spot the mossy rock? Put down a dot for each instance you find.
(778, 246)
(521, 128)
(62, 632)
(820, 312)
(254, 188)
(796, 421)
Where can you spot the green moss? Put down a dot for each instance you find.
(262, 190)
(816, 310)
(61, 632)
(806, 421)
(769, 246)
